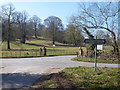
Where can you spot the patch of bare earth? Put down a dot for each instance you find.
(52, 79)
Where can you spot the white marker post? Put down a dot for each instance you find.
(53, 48)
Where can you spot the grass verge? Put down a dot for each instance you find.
(99, 60)
(82, 78)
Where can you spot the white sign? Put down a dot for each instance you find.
(53, 45)
(99, 47)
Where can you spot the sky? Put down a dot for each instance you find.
(63, 10)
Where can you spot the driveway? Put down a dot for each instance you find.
(22, 72)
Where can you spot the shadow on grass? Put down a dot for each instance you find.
(59, 81)
(18, 80)
(35, 44)
(39, 38)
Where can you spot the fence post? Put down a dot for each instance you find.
(14, 54)
(20, 53)
(11, 53)
(24, 53)
(6, 54)
(36, 52)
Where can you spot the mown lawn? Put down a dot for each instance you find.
(82, 78)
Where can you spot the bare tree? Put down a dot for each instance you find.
(36, 21)
(53, 24)
(0, 29)
(100, 16)
(41, 29)
(8, 12)
(24, 16)
(21, 21)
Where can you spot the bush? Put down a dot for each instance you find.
(109, 55)
(91, 53)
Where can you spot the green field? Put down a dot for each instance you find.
(83, 78)
(32, 48)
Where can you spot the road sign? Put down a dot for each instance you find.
(95, 41)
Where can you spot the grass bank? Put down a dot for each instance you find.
(99, 60)
(82, 78)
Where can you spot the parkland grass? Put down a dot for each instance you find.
(32, 48)
(83, 78)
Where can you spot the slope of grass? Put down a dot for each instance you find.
(33, 44)
(83, 78)
(32, 48)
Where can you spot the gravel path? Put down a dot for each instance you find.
(22, 72)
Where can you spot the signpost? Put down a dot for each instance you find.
(95, 42)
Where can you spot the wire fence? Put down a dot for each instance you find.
(52, 52)
(34, 53)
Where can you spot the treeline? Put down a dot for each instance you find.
(17, 26)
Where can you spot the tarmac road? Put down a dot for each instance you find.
(22, 72)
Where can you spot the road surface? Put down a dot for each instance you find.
(22, 72)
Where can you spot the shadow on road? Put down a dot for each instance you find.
(18, 80)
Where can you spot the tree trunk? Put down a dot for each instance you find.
(23, 39)
(74, 40)
(116, 49)
(53, 39)
(8, 37)
(92, 46)
(54, 35)
(8, 44)
(35, 32)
